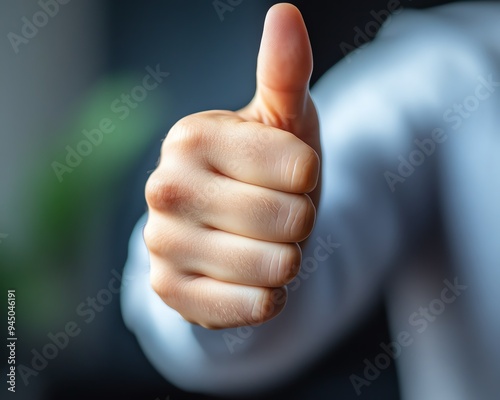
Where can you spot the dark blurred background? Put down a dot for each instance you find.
(61, 239)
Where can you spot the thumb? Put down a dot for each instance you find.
(284, 69)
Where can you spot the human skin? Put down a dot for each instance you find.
(235, 193)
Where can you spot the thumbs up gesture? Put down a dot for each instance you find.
(235, 192)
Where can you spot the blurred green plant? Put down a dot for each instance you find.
(59, 222)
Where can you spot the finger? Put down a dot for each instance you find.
(249, 210)
(223, 256)
(232, 206)
(260, 213)
(246, 151)
(284, 68)
(215, 304)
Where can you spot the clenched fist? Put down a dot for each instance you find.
(235, 192)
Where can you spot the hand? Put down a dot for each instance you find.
(228, 203)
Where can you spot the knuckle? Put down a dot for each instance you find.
(160, 240)
(165, 193)
(169, 286)
(150, 236)
(187, 133)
